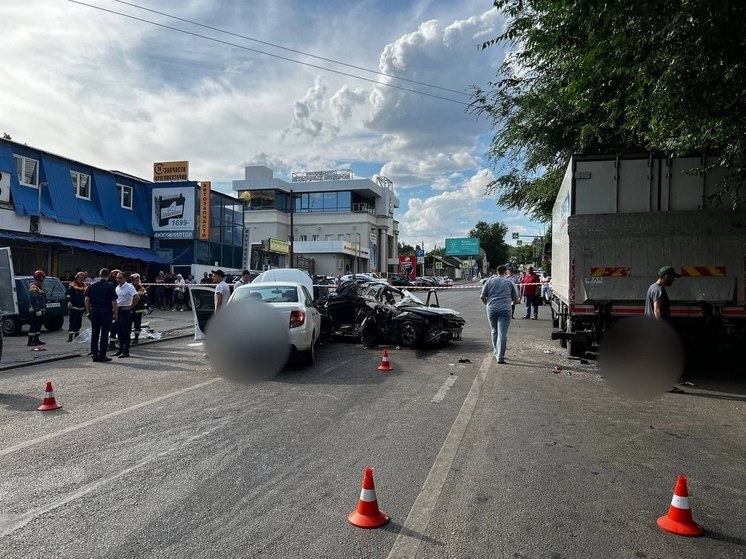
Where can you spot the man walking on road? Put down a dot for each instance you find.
(531, 290)
(101, 305)
(497, 294)
(657, 305)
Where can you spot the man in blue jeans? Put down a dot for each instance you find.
(498, 294)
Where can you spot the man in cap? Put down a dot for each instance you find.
(657, 305)
(75, 295)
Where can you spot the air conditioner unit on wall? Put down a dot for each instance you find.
(5, 186)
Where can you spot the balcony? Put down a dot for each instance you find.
(361, 208)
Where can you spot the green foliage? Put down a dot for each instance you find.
(492, 241)
(520, 255)
(633, 76)
(406, 249)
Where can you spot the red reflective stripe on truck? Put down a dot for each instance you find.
(733, 311)
(610, 271)
(627, 310)
(703, 271)
(583, 309)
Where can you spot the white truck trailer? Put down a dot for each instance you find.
(618, 219)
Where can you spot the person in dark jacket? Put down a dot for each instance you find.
(75, 296)
(101, 305)
(139, 309)
(37, 299)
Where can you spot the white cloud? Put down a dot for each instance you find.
(448, 214)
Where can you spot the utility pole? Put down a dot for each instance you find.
(292, 230)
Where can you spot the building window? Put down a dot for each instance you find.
(27, 170)
(125, 195)
(328, 238)
(304, 237)
(314, 237)
(81, 184)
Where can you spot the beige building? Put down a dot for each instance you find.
(341, 223)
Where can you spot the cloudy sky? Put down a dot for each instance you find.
(121, 93)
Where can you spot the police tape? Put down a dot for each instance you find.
(407, 287)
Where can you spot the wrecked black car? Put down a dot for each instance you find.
(377, 313)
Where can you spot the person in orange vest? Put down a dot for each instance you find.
(37, 299)
(75, 296)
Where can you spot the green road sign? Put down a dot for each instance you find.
(468, 246)
(439, 265)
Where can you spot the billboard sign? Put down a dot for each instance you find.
(170, 171)
(408, 267)
(173, 212)
(468, 246)
(204, 210)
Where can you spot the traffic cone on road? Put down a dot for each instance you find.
(385, 365)
(679, 518)
(49, 403)
(367, 514)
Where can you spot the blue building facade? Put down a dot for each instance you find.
(62, 215)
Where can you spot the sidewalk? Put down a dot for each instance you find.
(17, 354)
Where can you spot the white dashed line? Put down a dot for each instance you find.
(441, 393)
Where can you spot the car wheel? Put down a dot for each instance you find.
(309, 356)
(11, 325)
(54, 323)
(408, 334)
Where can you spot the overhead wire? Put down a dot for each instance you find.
(275, 45)
(243, 47)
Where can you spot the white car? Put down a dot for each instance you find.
(294, 301)
(293, 275)
(361, 277)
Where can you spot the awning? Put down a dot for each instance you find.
(130, 253)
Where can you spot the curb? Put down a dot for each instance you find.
(56, 358)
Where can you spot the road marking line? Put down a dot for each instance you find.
(441, 393)
(20, 446)
(10, 524)
(408, 541)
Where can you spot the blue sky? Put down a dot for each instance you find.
(121, 94)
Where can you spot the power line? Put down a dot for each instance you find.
(332, 60)
(191, 33)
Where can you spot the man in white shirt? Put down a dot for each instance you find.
(127, 298)
(222, 291)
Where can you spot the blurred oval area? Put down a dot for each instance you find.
(641, 358)
(248, 341)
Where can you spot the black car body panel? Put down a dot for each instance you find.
(377, 313)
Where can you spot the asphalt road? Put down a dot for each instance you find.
(161, 457)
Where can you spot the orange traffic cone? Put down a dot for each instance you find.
(367, 514)
(49, 403)
(679, 518)
(385, 365)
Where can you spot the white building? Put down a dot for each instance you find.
(344, 224)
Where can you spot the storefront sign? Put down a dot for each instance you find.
(204, 210)
(165, 171)
(173, 212)
(281, 247)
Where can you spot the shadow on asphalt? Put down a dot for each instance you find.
(397, 528)
(22, 402)
(724, 538)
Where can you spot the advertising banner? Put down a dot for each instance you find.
(468, 246)
(281, 247)
(204, 210)
(373, 251)
(169, 171)
(408, 267)
(173, 212)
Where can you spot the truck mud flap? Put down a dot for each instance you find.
(580, 337)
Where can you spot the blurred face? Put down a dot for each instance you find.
(530, 270)
(216, 278)
(120, 278)
(245, 277)
(136, 281)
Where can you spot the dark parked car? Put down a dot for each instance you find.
(54, 317)
(399, 281)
